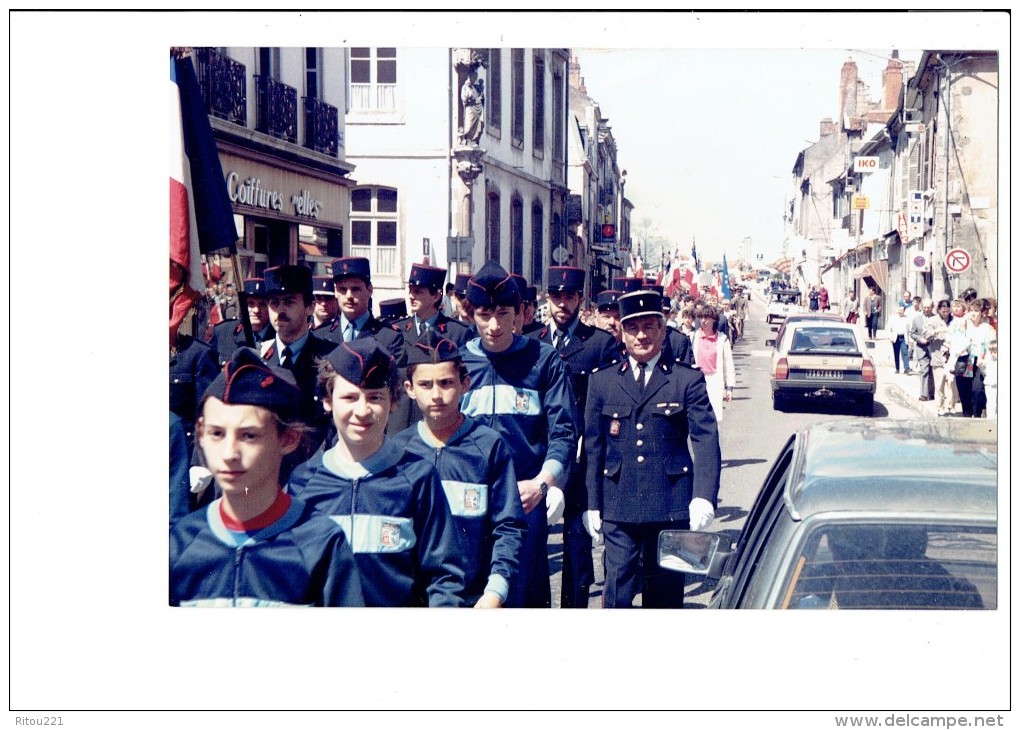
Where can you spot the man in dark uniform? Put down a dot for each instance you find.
(464, 309)
(352, 281)
(677, 345)
(228, 336)
(295, 348)
(425, 291)
(608, 318)
(326, 309)
(193, 367)
(642, 478)
(584, 349)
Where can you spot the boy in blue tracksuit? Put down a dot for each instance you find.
(256, 545)
(389, 503)
(520, 388)
(474, 465)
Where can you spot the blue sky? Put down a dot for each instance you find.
(709, 137)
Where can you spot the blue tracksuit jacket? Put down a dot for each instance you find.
(302, 559)
(478, 477)
(394, 512)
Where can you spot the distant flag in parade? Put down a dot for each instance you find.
(637, 264)
(673, 283)
(694, 257)
(663, 268)
(201, 219)
(693, 269)
(727, 294)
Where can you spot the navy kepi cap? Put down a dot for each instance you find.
(428, 276)
(392, 308)
(351, 266)
(431, 348)
(627, 284)
(323, 285)
(246, 380)
(493, 286)
(608, 299)
(289, 279)
(461, 284)
(255, 287)
(566, 278)
(364, 363)
(639, 304)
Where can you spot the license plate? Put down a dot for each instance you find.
(825, 374)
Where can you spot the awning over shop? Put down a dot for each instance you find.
(877, 270)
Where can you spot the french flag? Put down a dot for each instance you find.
(201, 219)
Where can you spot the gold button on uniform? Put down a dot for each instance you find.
(640, 442)
(639, 427)
(641, 460)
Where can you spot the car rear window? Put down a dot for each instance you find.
(823, 339)
(896, 567)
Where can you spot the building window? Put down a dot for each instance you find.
(557, 91)
(374, 228)
(313, 79)
(494, 94)
(373, 78)
(517, 236)
(492, 246)
(517, 81)
(538, 127)
(269, 63)
(537, 233)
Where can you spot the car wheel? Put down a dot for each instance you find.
(866, 405)
(779, 401)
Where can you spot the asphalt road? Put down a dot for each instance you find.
(752, 435)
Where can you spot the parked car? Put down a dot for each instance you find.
(862, 514)
(818, 356)
(783, 302)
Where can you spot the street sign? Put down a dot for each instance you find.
(865, 164)
(560, 254)
(608, 232)
(861, 202)
(957, 260)
(921, 261)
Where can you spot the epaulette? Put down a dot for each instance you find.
(270, 351)
(624, 365)
(544, 332)
(407, 327)
(336, 323)
(239, 328)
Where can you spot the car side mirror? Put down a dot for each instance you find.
(770, 343)
(698, 553)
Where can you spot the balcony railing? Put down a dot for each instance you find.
(223, 84)
(277, 108)
(321, 126)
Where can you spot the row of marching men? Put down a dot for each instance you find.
(448, 502)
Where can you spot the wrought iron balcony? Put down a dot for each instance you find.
(321, 126)
(277, 108)
(223, 83)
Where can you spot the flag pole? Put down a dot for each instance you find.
(242, 300)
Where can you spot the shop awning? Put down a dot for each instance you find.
(876, 270)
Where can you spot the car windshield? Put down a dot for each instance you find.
(896, 566)
(786, 297)
(838, 340)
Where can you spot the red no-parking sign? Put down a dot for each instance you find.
(957, 260)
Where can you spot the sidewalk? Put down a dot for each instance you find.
(909, 386)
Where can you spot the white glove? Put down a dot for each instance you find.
(200, 478)
(702, 513)
(554, 504)
(592, 521)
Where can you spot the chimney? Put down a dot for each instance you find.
(848, 89)
(892, 82)
(826, 128)
(574, 75)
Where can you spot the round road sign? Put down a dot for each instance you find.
(560, 254)
(957, 260)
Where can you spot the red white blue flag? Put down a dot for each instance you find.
(201, 219)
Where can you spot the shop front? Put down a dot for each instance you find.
(285, 212)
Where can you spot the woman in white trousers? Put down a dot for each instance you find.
(713, 355)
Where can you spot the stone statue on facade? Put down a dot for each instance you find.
(471, 108)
